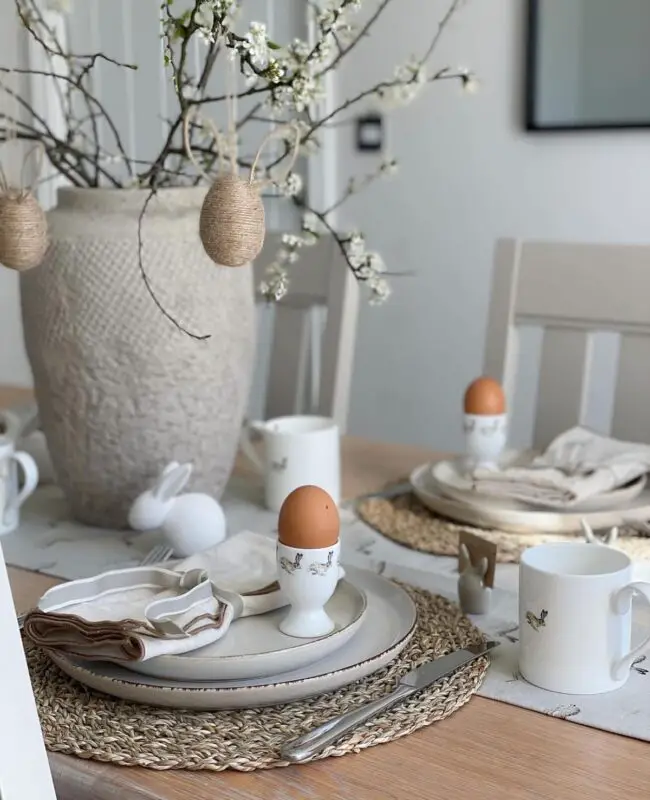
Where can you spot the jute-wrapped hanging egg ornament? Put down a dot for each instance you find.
(23, 230)
(231, 224)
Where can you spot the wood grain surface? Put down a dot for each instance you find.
(486, 750)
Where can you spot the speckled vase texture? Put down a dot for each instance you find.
(121, 391)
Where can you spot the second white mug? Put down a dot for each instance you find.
(575, 617)
(298, 450)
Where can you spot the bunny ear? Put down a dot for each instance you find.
(482, 567)
(173, 480)
(464, 558)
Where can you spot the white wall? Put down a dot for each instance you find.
(13, 362)
(469, 174)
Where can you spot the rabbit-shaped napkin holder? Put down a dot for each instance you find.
(190, 522)
(473, 592)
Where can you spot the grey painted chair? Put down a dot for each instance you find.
(312, 334)
(574, 291)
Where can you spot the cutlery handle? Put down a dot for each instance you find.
(313, 742)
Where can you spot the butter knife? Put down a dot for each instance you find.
(414, 681)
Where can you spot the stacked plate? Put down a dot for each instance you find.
(445, 489)
(256, 665)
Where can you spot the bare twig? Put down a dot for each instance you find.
(145, 278)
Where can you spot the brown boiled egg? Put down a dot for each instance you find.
(485, 397)
(309, 519)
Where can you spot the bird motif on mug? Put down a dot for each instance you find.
(279, 466)
(291, 566)
(537, 622)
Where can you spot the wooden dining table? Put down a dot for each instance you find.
(485, 750)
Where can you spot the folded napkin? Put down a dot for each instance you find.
(577, 465)
(143, 612)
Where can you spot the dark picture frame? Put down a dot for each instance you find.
(532, 88)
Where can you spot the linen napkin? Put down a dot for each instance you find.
(577, 465)
(139, 613)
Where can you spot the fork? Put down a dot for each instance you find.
(157, 554)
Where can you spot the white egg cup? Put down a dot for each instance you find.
(485, 439)
(308, 579)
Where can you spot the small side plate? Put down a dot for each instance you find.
(254, 647)
(386, 629)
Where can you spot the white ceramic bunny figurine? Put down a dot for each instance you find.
(473, 594)
(191, 523)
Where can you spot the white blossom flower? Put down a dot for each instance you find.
(380, 289)
(408, 82)
(311, 223)
(291, 240)
(256, 44)
(355, 245)
(299, 49)
(275, 285)
(292, 185)
(288, 256)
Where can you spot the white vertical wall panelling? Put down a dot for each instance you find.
(114, 80)
(129, 56)
(46, 95)
(14, 367)
(149, 81)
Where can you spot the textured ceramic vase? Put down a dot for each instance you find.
(121, 391)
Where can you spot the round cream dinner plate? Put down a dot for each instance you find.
(521, 520)
(451, 479)
(386, 628)
(254, 647)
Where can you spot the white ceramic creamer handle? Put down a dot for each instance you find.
(622, 600)
(31, 479)
(247, 446)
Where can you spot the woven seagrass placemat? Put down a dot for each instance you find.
(405, 520)
(81, 722)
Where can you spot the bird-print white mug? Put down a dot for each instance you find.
(297, 451)
(12, 494)
(575, 617)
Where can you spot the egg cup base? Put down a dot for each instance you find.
(307, 623)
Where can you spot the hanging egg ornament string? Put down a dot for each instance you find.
(232, 224)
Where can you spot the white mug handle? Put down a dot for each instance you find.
(30, 471)
(622, 600)
(247, 446)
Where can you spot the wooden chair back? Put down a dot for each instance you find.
(313, 333)
(592, 304)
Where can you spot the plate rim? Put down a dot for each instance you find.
(492, 519)
(305, 644)
(193, 667)
(62, 661)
